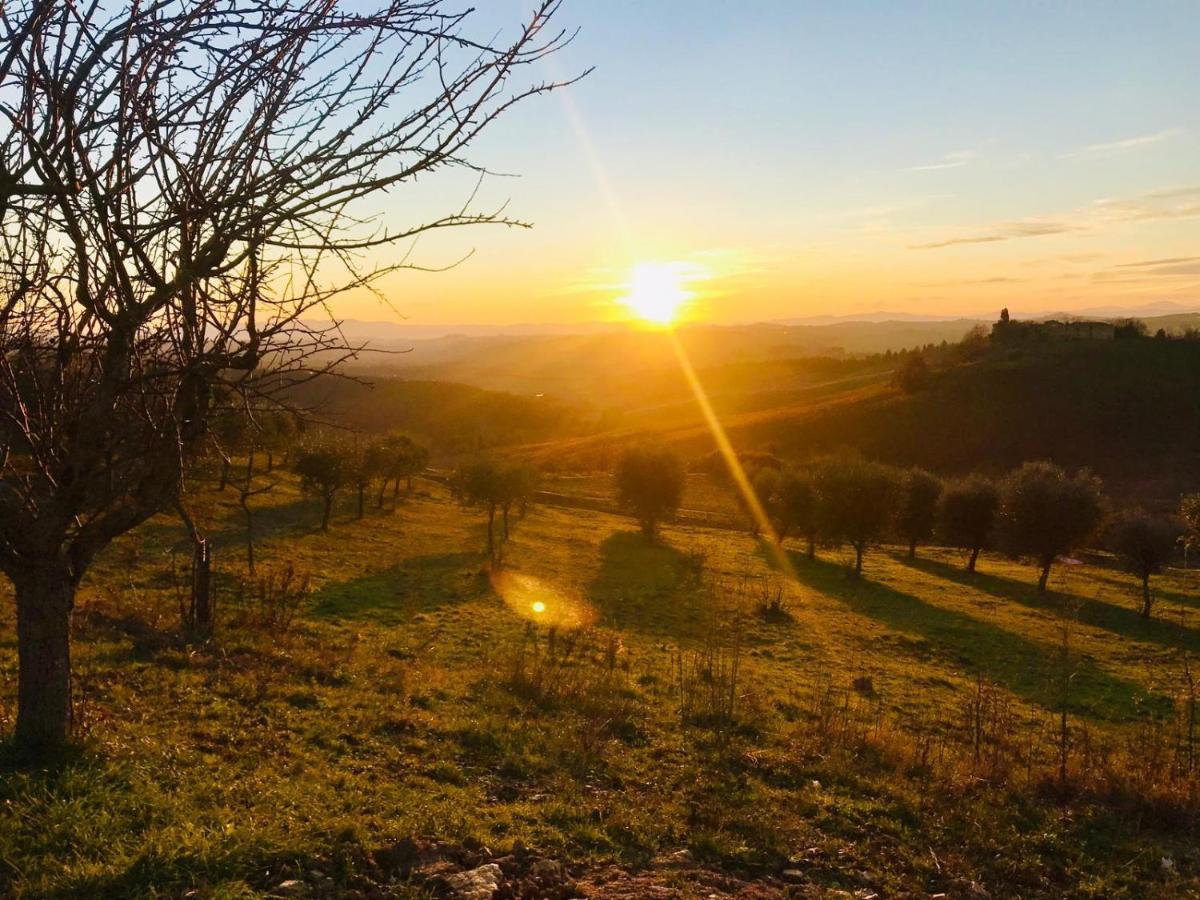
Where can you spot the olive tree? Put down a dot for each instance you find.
(400, 457)
(967, 515)
(857, 502)
(796, 508)
(185, 186)
(649, 484)
(916, 507)
(495, 487)
(1189, 515)
(324, 472)
(1144, 544)
(1046, 513)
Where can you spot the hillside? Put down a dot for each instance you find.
(1128, 409)
(412, 692)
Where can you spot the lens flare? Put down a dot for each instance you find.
(537, 600)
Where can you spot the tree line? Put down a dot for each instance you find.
(1038, 512)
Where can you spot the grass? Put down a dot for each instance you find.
(415, 694)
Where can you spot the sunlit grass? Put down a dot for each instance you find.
(384, 713)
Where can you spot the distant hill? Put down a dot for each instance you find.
(607, 368)
(451, 419)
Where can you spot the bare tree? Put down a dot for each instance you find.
(184, 186)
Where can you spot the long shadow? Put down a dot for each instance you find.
(644, 585)
(1121, 620)
(1180, 598)
(297, 517)
(396, 594)
(1025, 667)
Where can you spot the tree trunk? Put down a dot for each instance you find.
(408, 482)
(203, 615)
(1044, 577)
(45, 597)
(1146, 597)
(974, 557)
(270, 460)
(491, 531)
(224, 473)
(199, 617)
(858, 555)
(396, 489)
(912, 548)
(326, 513)
(382, 491)
(649, 527)
(504, 514)
(249, 536)
(812, 547)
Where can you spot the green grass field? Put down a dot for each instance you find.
(416, 694)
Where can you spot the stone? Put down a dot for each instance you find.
(293, 887)
(475, 884)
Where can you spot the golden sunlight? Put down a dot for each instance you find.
(658, 291)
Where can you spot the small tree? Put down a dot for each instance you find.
(1144, 544)
(857, 499)
(764, 482)
(917, 507)
(278, 429)
(1044, 513)
(1189, 514)
(967, 515)
(649, 483)
(323, 472)
(366, 463)
(495, 487)
(796, 508)
(400, 458)
(518, 483)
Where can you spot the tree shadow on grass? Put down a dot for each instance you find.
(1096, 613)
(1159, 593)
(396, 594)
(154, 871)
(1025, 667)
(647, 586)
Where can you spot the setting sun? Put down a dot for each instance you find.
(657, 291)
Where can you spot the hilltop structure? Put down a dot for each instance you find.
(1010, 331)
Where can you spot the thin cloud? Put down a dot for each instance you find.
(1105, 213)
(1155, 263)
(1113, 147)
(950, 161)
(1004, 232)
(1175, 267)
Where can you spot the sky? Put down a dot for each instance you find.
(794, 159)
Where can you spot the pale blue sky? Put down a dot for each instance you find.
(811, 156)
